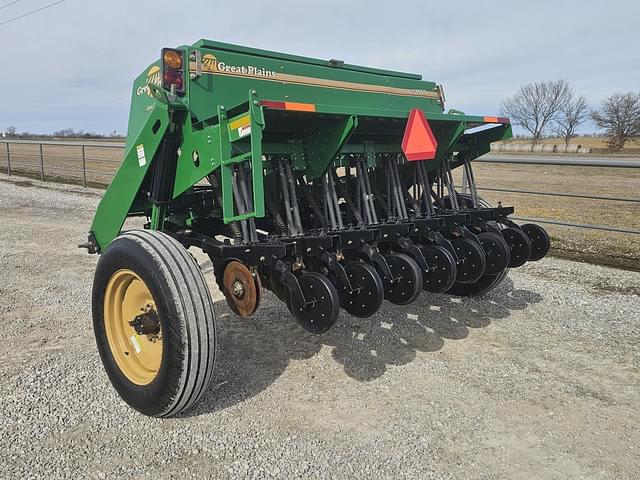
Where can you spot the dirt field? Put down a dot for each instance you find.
(65, 162)
(538, 380)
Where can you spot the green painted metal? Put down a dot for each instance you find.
(125, 186)
(336, 109)
(324, 144)
(256, 52)
(230, 135)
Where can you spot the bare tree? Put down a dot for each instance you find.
(536, 104)
(572, 114)
(619, 116)
(11, 131)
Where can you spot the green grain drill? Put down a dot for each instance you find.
(327, 183)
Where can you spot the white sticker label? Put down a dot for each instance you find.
(244, 131)
(136, 344)
(142, 161)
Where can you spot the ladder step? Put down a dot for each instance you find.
(243, 157)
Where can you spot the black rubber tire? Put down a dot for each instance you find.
(540, 241)
(497, 252)
(368, 302)
(186, 315)
(519, 246)
(472, 252)
(445, 276)
(410, 286)
(485, 284)
(314, 284)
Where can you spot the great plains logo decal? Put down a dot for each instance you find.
(153, 78)
(211, 64)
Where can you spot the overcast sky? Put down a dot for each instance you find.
(72, 65)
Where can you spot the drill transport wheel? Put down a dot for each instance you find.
(322, 307)
(154, 322)
(496, 252)
(407, 280)
(242, 289)
(472, 260)
(519, 246)
(368, 290)
(443, 268)
(540, 241)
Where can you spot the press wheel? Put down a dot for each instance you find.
(322, 306)
(519, 246)
(471, 257)
(496, 250)
(241, 288)
(443, 270)
(368, 290)
(408, 277)
(540, 241)
(481, 286)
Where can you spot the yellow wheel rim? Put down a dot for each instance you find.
(137, 355)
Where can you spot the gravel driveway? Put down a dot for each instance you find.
(539, 379)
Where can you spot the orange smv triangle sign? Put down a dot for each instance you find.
(418, 142)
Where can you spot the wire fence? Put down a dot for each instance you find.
(94, 164)
(87, 164)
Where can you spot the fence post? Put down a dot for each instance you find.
(84, 168)
(41, 164)
(8, 160)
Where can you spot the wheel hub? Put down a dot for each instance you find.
(442, 269)
(238, 289)
(367, 294)
(472, 260)
(406, 282)
(496, 252)
(133, 327)
(241, 288)
(146, 323)
(320, 308)
(540, 241)
(519, 246)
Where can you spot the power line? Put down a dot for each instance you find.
(9, 4)
(31, 12)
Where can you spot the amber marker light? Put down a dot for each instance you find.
(172, 59)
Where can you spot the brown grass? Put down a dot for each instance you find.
(609, 247)
(64, 163)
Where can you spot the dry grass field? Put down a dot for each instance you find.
(64, 163)
(590, 245)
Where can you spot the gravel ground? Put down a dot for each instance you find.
(539, 379)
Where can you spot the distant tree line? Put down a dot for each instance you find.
(554, 107)
(11, 132)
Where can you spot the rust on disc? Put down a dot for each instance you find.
(241, 288)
